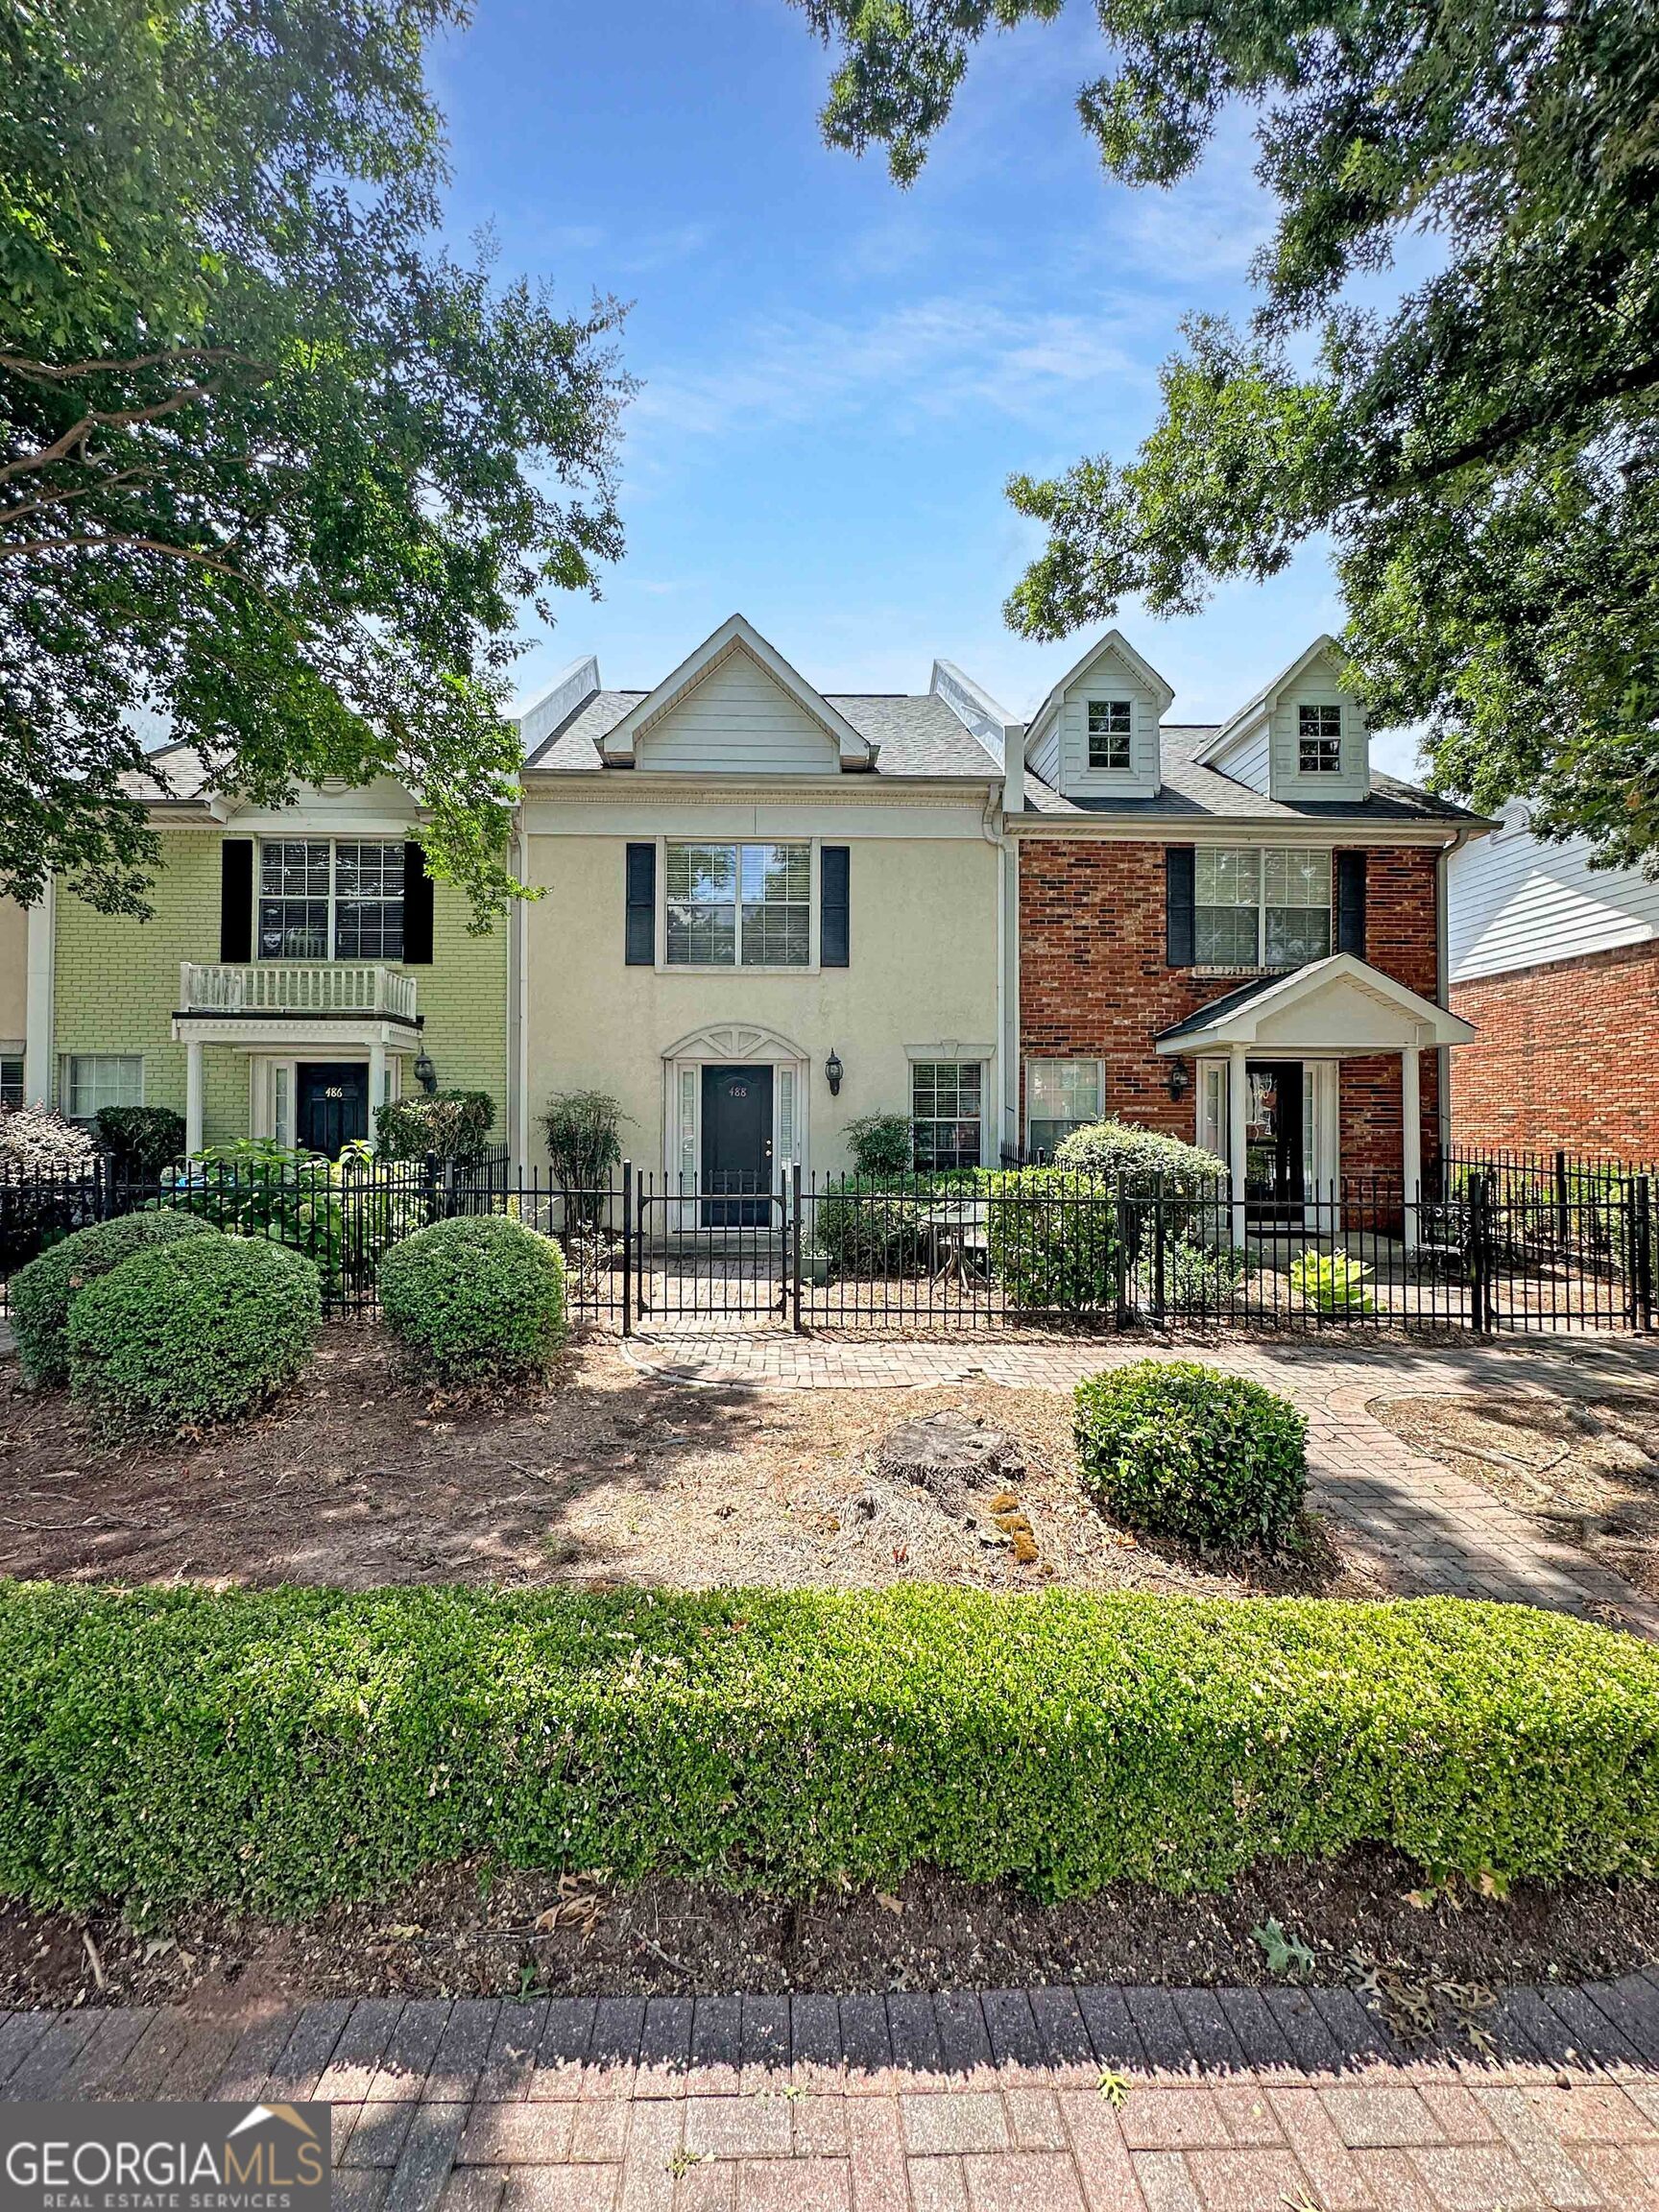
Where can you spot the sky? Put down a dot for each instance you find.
(836, 375)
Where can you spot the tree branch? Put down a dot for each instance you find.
(103, 419)
(1509, 430)
(11, 515)
(34, 545)
(60, 373)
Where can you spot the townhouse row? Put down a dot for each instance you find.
(764, 911)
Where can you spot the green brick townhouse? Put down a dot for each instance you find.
(300, 967)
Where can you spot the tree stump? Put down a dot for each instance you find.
(949, 1452)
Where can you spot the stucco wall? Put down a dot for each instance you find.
(923, 972)
(13, 971)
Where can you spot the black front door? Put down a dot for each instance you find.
(1273, 1164)
(736, 1144)
(331, 1105)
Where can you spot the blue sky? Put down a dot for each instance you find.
(838, 375)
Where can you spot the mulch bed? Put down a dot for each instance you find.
(361, 1478)
(457, 1933)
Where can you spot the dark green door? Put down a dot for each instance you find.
(331, 1105)
(736, 1144)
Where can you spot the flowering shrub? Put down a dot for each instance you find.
(35, 1141)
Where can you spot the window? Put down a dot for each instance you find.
(11, 1079)
(1319, 740)
(945, 1103)
(320, 900)
(99, 1079)
(1060, 1095)
(739, 906)
(1111, 727)
(1261, 909)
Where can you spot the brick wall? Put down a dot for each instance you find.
(1093, 983)
(1567, 1054)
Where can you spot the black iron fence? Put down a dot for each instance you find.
(1485, 1250)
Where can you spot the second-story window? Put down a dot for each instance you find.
(1256, 908)
(1319, 740)
(1111, 733)
(330, 899)
(739, 906)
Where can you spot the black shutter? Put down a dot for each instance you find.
(639, 946)
(417, 908)
(835, 908)
(236, 899)
(1179, 891)
(1351, 904)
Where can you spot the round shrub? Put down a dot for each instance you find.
(1181, 1449)
(1133, 1160)
(475, 1298)
(192, 1331)
(43, 1291)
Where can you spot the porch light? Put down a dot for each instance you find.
(426, 1074)
(834, 1072)
(1179, 1080)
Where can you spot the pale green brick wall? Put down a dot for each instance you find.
(117, 986)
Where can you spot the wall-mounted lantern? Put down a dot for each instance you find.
(834, 1072)
(426, 1074)
(1179, 1080)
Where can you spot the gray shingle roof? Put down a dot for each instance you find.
(1196, 794)
(919, 734)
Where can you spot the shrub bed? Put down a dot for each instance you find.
(42, 1292)
(1174, 1447)
(193, 1331)
(477, 1297)
(279, 1748)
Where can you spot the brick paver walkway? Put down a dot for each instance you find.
(1229, 2101)
(1420, 1529)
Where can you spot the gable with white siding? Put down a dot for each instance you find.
(738, 720)
(1517, 903)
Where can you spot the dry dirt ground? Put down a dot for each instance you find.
(361, 1478)
(1587, 1470)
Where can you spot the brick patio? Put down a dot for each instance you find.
(1418, 1527)
(1235, 2100)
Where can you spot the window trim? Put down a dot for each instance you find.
(1262, 965)
(1063, 1060)
(19, 1060)
(70, 1062)
(938, 1057)
(1124, 767)
(333, 839)
(735, 967)
(1320, 739)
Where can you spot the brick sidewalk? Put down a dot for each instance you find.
(1419, 1529)
(1235, 2100)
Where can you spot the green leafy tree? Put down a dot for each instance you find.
(1483, 456)
(277, 472)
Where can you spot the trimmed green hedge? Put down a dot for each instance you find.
(1184, 1450)
(192, 1331)
(42, 1292)
(477, 1297)
(278, 1748)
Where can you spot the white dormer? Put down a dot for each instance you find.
(1302, 739)
(735, 705)
(1097, 735)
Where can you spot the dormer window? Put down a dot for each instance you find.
(1111, 730)
(1319, 740)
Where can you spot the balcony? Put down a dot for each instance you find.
(294, 989)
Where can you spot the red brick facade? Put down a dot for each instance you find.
(1567, 1055)
(1094, 983)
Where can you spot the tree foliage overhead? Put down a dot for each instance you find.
(275, 471)
(1483, 456)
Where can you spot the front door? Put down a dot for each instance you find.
(331, 1105)
(736, 1144)
(1274, 1168)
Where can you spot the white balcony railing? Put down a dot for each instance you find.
(282, 987)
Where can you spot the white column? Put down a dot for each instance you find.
(195, 1093)
(1237, 1102)
(1411, 1140)
(37, 1014)
(376, 1081)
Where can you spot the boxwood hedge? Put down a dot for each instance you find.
(41, 1293)
(477, 1297)
(276, 1748)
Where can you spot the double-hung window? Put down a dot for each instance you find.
(94, 1080)
(330, 899)
(738, 905)
(1060, 1095)
(1261, 908)
(1111, 733)
(1319, 740)
(945, 1102)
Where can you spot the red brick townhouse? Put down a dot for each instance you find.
(1233, 933)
